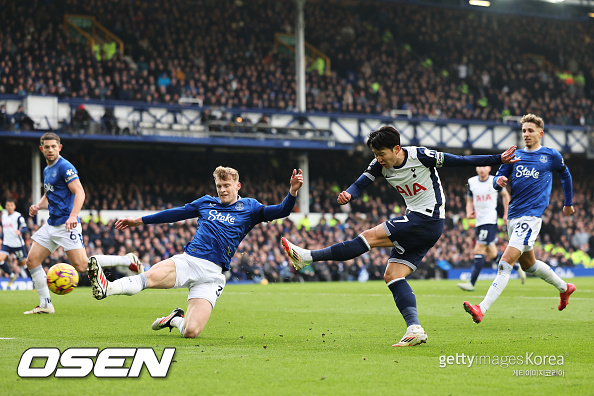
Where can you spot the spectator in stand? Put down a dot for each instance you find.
(81, 121)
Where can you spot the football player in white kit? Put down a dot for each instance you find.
(13, 228)
(412, 171)
(481, 204)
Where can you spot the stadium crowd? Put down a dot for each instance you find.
(155, 182)
(383, 56)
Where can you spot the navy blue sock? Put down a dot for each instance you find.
(497, 259)
(341, 251)
(479, 261)
(6, 268)
(516, 266)
(405, 301)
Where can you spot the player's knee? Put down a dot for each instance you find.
(31, 264)
(192, 333)
(80, 267)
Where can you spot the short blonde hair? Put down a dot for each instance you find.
(225, 173)
(536, 120)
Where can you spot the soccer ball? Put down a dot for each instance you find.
(62, 278)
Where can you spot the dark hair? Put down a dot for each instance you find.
(385, 137)
(49, 136)
(10, 199)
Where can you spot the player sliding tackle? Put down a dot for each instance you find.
(412, 171)
(531, 183)
(223, 222)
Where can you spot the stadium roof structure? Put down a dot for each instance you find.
(557, 9)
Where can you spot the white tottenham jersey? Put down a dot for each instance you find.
(10, 224)
(484, 198)
(418, 184)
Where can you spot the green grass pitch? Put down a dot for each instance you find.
(315, 339)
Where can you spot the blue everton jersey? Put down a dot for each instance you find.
(531, 180)
(56, 178)
(221, 228)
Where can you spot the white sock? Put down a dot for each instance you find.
(112, 261)
(546, 273)
(129, 285)
(497, 286)
(40, 282)
(179, 323)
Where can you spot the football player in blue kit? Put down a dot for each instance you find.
(531, 181)
(223, 222)
(64, 196)
(412, 171)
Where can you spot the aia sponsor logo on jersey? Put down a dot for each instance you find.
(483, 198)
(407, 191)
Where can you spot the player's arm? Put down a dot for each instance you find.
(77, 189)
(42, 204)
(283, 209)
(21, 226)
(500, 179)
(438, 159)
(354, 191)
(505, 198)
(566, 184)
(188, 211)
(470, 208)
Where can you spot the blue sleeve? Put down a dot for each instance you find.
(565, 176)
(68, 171)
(468, 190)
(567, 185)
(373, 170)
(187, 211)
(504, 170)
(279, 211)
(432, 158)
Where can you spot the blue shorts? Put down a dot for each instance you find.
(486, 234)
(412, 235)
(19, 252)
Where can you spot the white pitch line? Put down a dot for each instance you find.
(419, 295)
(2, 338)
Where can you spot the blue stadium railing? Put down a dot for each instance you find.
(182, 124)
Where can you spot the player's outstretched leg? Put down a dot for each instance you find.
(166, 321)
(565, 296)
(97, 278)
(136, 264)
(300, 257)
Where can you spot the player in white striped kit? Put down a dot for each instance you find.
(412, 171)
(13, 228)
(481, 204)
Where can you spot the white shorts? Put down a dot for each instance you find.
(523, 232)
(51, 237)
(203, 278)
